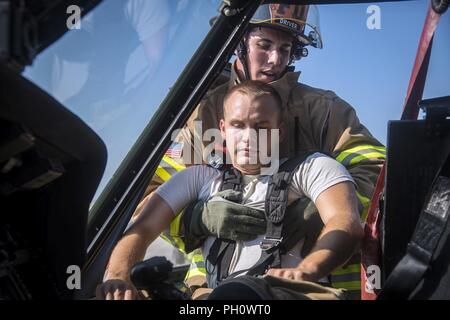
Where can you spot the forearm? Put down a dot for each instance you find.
(129, 250)
(337, 243)
(155, 217)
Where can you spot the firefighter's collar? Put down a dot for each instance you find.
(282, 85)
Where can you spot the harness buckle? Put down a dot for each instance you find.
(270, 243)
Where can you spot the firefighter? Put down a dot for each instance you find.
(316, 119)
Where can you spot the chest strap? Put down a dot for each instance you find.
(221, 252)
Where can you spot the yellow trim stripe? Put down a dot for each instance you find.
(365, 202)
(163, 174)
(351, 285)
(173, 163)
(175, 232)
(195, 272)
(370, 155)
(197, 258)
(166, 238)
(353, 268)
(342, 155)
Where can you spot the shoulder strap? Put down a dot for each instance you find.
(219, 259)
(221, 251)
(276, 203)
(275, 207)
(231, 179)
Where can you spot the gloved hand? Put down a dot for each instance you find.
(302, 220)
(224, 218)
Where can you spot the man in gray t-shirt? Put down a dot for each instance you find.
(250, 106)
(312, 177)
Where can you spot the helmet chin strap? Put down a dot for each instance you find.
(242, 55)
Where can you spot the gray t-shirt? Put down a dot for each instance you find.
(316, 174)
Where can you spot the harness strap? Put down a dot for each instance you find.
(222, 250)
(275, 207)
(220, 255)
(231, 180)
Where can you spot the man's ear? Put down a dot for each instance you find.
(222, 128)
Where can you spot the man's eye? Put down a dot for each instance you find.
(264, 46)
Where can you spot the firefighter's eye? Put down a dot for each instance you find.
(264, 45)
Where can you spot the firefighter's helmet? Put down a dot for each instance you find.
(300, 20)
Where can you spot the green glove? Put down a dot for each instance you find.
(302, 221)
(224, 218)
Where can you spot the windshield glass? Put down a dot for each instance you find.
(114, 71)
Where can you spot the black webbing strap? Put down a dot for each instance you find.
(260, 267)
(431, 225)
(221, 251)
(275, 208)
(231, 180)
(220, 255)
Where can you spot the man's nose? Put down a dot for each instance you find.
(246, 135)
(249, 136)
(275, 57)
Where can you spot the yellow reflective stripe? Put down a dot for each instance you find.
(176, 242)
(172, 235)
(197, 258)
(195, 272)
(353, 268)
(350, 151)
(344, 278)
(356, 149)
(197, 267)
(370, 155)
(365, 202)
(173, 163)
(338, 277)
(163, 174)
(175, 232)
(350, 285)
(191, 254)
(166, 238)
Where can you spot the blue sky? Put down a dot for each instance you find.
(370, 69)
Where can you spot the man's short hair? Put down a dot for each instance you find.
(255, 89)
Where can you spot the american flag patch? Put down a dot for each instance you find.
(175, 150)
